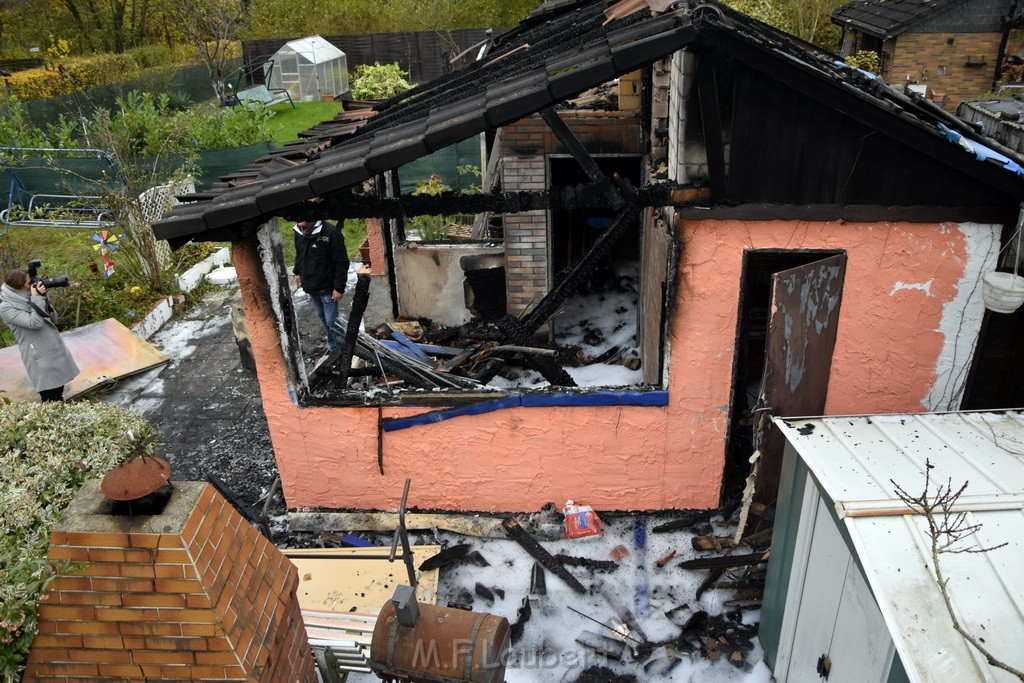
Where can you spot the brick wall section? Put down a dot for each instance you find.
(912, 53)
(204, 596)
(524, 145)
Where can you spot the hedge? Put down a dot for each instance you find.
(47, 451)
(71, 75)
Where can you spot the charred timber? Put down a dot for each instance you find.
(546, 559)
(346, 204)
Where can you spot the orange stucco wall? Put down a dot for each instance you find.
(899, 278)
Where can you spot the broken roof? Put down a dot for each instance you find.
(560, 51)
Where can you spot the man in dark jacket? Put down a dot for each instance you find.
(321, 269)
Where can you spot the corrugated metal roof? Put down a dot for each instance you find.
(857, 459)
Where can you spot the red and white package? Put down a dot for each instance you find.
(581, 521)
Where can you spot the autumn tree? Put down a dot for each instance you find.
(211, 27)
(808, 20)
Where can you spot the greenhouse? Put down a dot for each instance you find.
(310, 69)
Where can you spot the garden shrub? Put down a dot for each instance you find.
(378, 81)
(49, 451)
(72, 75)
(867, 60)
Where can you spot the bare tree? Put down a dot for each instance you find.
(212, 25)
(948, 526)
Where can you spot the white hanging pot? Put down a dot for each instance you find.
(1002, 292)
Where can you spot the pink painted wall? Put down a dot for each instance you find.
(627, 458)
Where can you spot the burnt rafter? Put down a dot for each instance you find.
(582, 157)
(345, 204)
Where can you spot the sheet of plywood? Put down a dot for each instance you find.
(105, 351)
(332, 581)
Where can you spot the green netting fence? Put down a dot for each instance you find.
(445, 163)
(190, 84)
(59, 174)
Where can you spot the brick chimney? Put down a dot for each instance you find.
(189, 592)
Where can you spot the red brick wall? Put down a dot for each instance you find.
(210, 599)
(913, 53)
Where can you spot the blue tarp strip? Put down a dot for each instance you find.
(980, 151)
(413, 348)
(390, 425)
(596, 398)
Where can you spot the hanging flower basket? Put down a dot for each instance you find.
(1002, 292)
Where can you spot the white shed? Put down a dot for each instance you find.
(309, 69)
(851, 577)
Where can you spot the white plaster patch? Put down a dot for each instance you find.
(925, 287)
(961, 317)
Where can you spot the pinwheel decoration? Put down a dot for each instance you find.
(106, 242)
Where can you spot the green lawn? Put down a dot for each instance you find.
(288, 123)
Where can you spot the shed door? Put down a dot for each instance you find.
(836, 614)
(798, 354)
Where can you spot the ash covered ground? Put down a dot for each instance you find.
(206, 407)
(594, 334)
(679, 637)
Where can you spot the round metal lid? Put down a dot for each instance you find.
(136, 478)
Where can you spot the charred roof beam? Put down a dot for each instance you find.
(582, 157)
(345, 204)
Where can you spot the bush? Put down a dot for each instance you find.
(378, 82)
(865, 59)
(152, 56)
(51, 449)
(71, 75)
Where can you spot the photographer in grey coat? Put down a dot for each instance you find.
(27, 312)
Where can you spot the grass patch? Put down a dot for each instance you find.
(287, 123)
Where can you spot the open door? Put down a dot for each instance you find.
(798, 355)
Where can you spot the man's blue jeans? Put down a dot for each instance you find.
(327, 308)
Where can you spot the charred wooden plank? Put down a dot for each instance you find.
(517, 333)
(685, 521)
(446, 557)
(576, 276)
(725, 562)
(547, 560)
(580, 154)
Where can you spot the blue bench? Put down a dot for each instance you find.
(261, 94)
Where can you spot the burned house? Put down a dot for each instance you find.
(788, 235)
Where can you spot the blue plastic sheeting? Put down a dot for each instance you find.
(980, 151)
(391, 425)
(597, 398)
(870, 75)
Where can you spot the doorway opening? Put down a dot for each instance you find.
(759, 266)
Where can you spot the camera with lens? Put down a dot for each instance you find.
(49, 283)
